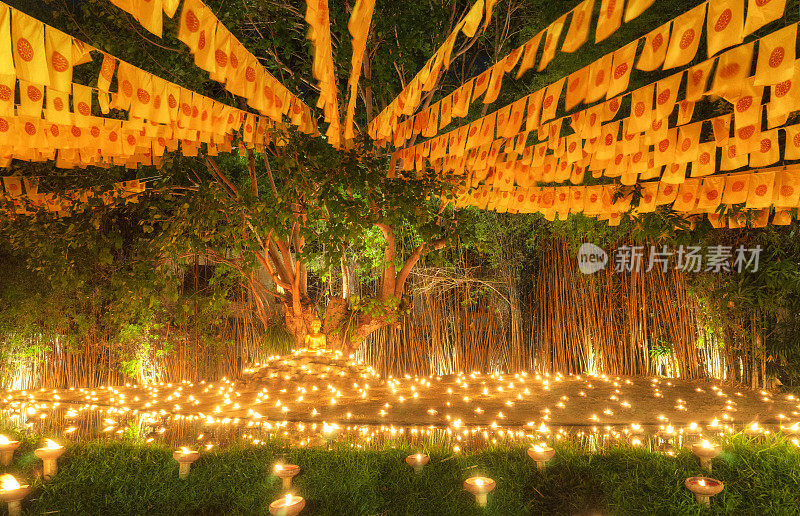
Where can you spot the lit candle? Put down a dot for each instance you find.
(185, 457)
(289, 505)
(480, 487)
(286, 472)
(49, 455)
(541, 454)
(7, 448)
(417, 461)
(704, 488)
(13, 493)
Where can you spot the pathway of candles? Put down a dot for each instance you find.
(313, 397)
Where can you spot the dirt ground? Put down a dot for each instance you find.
(314, 387)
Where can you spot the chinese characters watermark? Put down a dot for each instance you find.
(714, 259)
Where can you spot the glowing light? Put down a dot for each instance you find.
(8, 483)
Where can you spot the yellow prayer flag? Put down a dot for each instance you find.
(686, 31)
(149, 14)
(6, 55)
(578, 26)
(551, 42)
(686, 198)
(767, 151)
(495, 83)
(599, 78)
(621, 69)
(724, 24)
(736, 188)
(30, 60)
(760, 193)
(82, 105)
(635, 8)
(192, 14)
(710, 194)
(733, 68)
(58, 47)
(8, 85)
(472, 20)
(609, 19)
(31, 99)
(577, 86)
(655, 49)
(776, 56)
(761, 12)
(550, 101)
(529, 57)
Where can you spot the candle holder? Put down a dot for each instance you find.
(417, 461)
(286, 472)
(480, 487)
(541, 454)
(12, 493)
(706, 451)
(7, 449)
(185, 457)
(49, 455)
(704, 488)
(287, 506)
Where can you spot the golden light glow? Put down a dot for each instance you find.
(8, 483)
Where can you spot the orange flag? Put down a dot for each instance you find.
(473, 19)
(686, 31)
(761, 12)
(461, 99)
(609, 19)
(141, 101)
(641, 108)
(126, 77)
(578, 26)
(192, 13)
(767, 151)
(577, 84)
(205, 55)
(667, 95)
(106, 72)
(792, 148)
(666, 193)
(688, 142)
(529, 57)
(57, 109)
(697, 80)
(722, 129)
(788, 191)
(736, 188)
(687, 195)
(534, 110)
(665, 148)
(551, 97)
(149, 14)
(711, 193)
(27, 35)
(551, 42)
(724, 24)
(621, 69)
(31, 99)
(515, 117)
(58, 48)
(481, 84)
(733, 69)
(6, 55)
(82, 105)
(776, 56)
(599, 78)
(747, 109)
(760, 193)
(635, 8)
(495, 83)
(655, 49)
(446, 115)
(732, 158)
(705, 164)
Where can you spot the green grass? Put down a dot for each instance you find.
(120, 478)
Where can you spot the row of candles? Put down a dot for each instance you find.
(12, 492)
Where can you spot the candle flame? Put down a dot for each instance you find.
(185, 450)
(419, 457)
(278, 467)
(701, 482)
(478, 481)
(8, 483)
(706, 444)
(52, 445)
(288, 500)
(4, 439)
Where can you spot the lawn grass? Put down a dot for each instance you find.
(118, 478)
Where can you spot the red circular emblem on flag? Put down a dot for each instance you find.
(648, 198)
(250, 74)
(686, 39)
(192, 22)
(112, 136)
(34, 93)
(782, 88)
(131, 140)
(201, 41)
(547, 101)
(83, 109)
(593, 119)
(593, 198)
(723, 20)
(143, 96)
(711, 195)
(3, 125)
(157, 101)
(732, 151)
(766, 145)
(59, 62)
(107, 69)
(600, 77)
(6, 93)
(687, 196)
(562, 197)
(729, 70)
(776, 57)
(744, 103)
(663, 97)
(612, 4)
(618, 159)
(639, 110)
(30, 128)
(738, 186)
(58, 104)
(697, 76)
(787, 190)
(620, 70)
(705, 158)
(95, 131)
(668, 190)
(76, 131)
(573, 146)
(637, 157)
(746, 132)
(761, 190)
(127, 88)
(663, 145)
(25, 49)
(186, 109)
(54, 130)
(172, 101)
(609, 139)
(657, 41)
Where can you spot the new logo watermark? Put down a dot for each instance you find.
(715, 258)
(591, 258)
